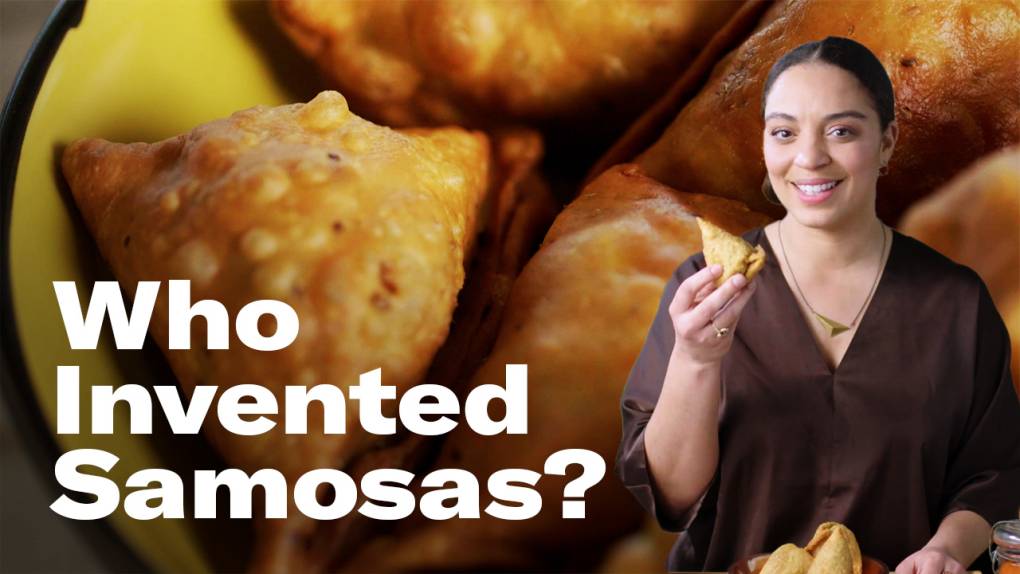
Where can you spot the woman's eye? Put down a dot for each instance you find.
(782, 133)
(841, 132)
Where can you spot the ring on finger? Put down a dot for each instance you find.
(720, 332)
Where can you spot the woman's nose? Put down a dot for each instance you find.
(812, 153)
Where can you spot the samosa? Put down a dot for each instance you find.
(788, 559)
(362, 230)
(732, 252)
(491, 62)
(577, 316)
(834, 550)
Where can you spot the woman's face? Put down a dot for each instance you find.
(823, 145)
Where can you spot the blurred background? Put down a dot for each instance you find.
(30, 540)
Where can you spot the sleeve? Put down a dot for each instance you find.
(639, 398)
(983, 474)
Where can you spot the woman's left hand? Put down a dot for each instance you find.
(930, 560)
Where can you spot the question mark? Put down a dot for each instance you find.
(594, 470)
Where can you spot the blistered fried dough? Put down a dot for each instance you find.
(788, 559)
(953, 66)
(577, 316)
(834, 549)
(491, 61)
(359, 228)
(731, 251)
(517, 213)
(974, 220)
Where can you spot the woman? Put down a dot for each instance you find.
(867, 381)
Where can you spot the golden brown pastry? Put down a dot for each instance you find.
(577, 316)
(975, 220)
(361, 229)
(732, 252)
(517, 213)
(591, 65)
(953, 66)
(834, 550)
(788, 559)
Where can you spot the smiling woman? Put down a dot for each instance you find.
(824, 148)
(867, 381)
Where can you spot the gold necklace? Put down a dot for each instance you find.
(831, 326)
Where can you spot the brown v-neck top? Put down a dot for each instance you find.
(920, 418)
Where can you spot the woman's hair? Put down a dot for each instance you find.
(849, 55)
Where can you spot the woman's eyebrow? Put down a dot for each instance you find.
(828, 118)
(846, 114)
(781, 116)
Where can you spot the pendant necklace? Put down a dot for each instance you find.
(833, 327)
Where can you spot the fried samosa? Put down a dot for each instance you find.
(953, 66)
(788, 559)
(519, 210)
(577, 316)
(834, 550)
(490, 62)
(975, 220)
(731, 251)
(362, 230)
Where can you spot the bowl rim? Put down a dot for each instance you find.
(25, 412)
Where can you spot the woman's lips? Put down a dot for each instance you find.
(813, 192)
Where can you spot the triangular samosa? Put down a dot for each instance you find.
(731, 251)
(361, 229)
(835, 550)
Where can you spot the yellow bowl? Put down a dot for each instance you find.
(124, 71)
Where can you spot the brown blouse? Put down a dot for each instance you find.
(920, 418)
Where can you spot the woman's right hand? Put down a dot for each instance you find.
(697, 305)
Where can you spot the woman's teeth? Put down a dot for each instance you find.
(816, 189)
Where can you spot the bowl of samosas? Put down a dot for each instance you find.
(440, 189)
(755, 564)
(832, 550)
